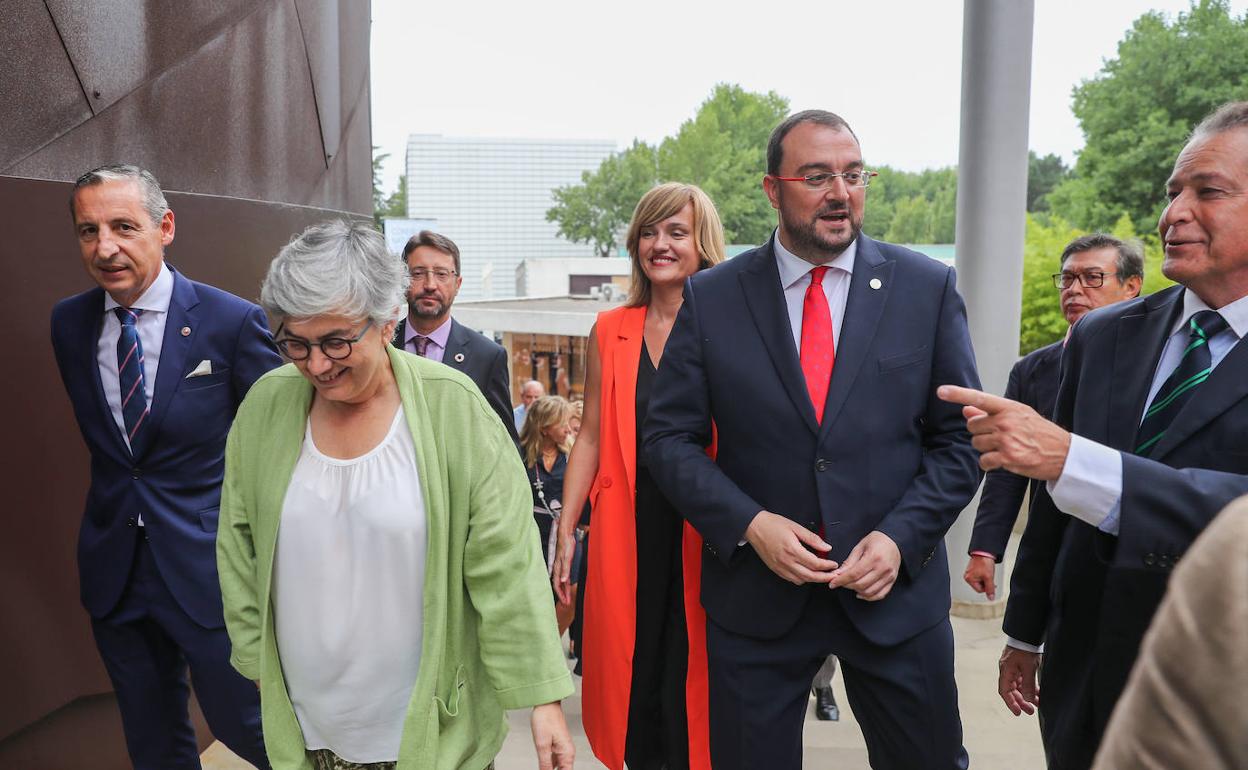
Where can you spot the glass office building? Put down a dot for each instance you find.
(490, 196)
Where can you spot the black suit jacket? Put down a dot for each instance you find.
(888, 455)
(485, 363)
(1090, 596)
(1033, 381)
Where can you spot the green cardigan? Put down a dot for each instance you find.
(490, 637)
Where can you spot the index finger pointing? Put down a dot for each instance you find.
(985, 402)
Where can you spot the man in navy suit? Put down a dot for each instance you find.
(815, 359)
(155, 366)
(1096, 270)
(1146, 447)
(430, 331)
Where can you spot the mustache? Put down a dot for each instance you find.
(835, 207)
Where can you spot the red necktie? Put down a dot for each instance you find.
(818, 349)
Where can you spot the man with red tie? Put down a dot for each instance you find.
(816, 358)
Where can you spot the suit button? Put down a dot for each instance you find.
(821, 465)
(1150, 560)
(135, 473)
(605, 482)
(132, 522)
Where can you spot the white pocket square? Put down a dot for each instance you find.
(205, 367)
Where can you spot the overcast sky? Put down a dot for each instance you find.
(637, 69)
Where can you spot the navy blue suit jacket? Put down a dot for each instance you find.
(1033, 381)
(173, 476)
(888, 456)
(1090, 596)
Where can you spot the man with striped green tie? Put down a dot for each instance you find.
(1149, 442)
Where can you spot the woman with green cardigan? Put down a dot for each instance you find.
(380, 568)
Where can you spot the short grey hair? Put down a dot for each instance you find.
(153, 197)
(1228, 117)
(336, 268)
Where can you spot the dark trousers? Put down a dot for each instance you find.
(658, 732)
(904, 697)
(147, 643)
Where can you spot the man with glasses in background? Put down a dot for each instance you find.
(430, 331)
(813, 360)
(1096, 270)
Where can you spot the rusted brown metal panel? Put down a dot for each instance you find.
(39, 93)
(218, 100)
(117, 45)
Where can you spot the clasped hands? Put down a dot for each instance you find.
(789, 550)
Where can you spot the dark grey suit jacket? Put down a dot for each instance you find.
(485, 363)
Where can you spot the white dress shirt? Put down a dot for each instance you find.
(348, 587)
(795, 278)
(151, 328)
(1090, 485)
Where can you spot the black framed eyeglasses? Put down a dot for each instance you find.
(823, 179)
(336, 348)
(441, 275)
(1093, 279)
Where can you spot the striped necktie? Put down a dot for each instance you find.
(421, 345)
(134, 406)
(1193, 369)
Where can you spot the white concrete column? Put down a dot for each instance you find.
(992, 201)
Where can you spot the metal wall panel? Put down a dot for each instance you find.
(116, 45)
(35, 75)
(218, 99)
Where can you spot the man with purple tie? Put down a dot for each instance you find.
(155, 366)
(429, 331)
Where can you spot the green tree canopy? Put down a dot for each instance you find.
(1138, 111)
(722, 149)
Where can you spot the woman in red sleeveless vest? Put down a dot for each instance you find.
(644, 698)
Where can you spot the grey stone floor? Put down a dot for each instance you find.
(995, 738)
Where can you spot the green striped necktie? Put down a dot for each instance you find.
(1193, 369)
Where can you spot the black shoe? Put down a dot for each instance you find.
(826, 709)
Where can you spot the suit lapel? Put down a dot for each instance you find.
(456, 344)
(174, 351)
(1141, 336)
(1223, 389)
(399, 330)
(863, 309)
(764, 296)
(626, 359)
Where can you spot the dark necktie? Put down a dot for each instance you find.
(1193, 369)
(817, 351)
(134, 406)
(421, 344)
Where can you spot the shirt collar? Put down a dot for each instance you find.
(793, 268)
(438, 336)
(1235, 313)
(155, 300)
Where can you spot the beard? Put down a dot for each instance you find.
(423, 311)
(806, 235)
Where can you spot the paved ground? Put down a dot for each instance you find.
(995, 739)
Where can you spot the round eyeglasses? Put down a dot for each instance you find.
(336, 348)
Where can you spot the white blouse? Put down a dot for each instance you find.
(348, 583)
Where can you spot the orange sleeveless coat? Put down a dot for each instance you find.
(610, 601)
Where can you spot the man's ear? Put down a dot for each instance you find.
(1134, 284)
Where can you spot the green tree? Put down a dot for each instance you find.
(722, 149)
(912, 221)
(1138, 111)
(597, 210)
(1043, 174)
(395, 205)
(379, 195)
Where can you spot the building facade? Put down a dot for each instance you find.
(490, 196)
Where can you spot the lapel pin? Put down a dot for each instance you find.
(459, 358)
(186, 331)
(875, 283)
